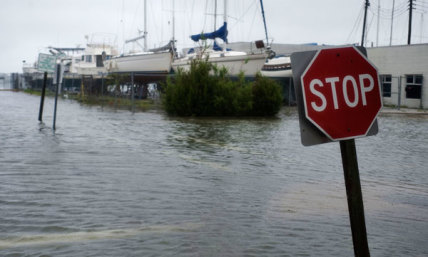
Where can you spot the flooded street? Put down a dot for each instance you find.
(114, 183)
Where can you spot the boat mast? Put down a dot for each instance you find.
(225, 19)
(172, 43)
(378, 20)
(215, 15)
(264, 22)
(225, 11)
(173, 21)
(145, 25)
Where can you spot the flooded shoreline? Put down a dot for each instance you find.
(113, 183)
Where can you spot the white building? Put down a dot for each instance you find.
(403, 73)
(403, 69)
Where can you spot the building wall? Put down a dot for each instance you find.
(397, 61)
(400, 61)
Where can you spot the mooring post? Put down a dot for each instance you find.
(289, 91)
(355, 197)
(132, 92)
(58, 76)
(102, 91)
(42, 98)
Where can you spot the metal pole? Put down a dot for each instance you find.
(215, 15)
(410, 22)
(399, 92)
(367, 4)
(58, 76)
(173, 24)
(289, 91)
(42, 98)
(421, 104)
(354, 197)
(392, 22)
(264, 21)
(378, 20)
(102, 90)
(145, 25)
(132, 92)
(225, 11)
(422, 28)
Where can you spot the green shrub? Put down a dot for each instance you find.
(267, 97)
(207, 90)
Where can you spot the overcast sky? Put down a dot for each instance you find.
(27, 27)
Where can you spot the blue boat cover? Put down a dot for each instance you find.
(220, 33)
(216, 47)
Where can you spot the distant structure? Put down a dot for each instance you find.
(403, 69)
(403, 74)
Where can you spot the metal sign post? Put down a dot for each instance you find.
(57, 81)
(42, 98)
(45, 63)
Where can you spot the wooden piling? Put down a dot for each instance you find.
(355, 198)
(58, 77)
(42, 98)
(132, 93)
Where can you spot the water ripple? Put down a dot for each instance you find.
(113, 183)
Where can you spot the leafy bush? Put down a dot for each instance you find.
(267, 96)
(207, 90)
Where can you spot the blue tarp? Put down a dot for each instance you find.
(220, 33)
(216, 47)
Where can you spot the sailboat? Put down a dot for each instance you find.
(157, 60)
(234, 61)
(275, 66)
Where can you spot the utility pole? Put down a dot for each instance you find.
(410, 21)
(367, 4)
(378, 20)
(422, 27)
(392, 22)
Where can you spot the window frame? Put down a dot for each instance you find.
(413, 88)
(385, 83)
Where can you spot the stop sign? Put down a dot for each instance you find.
(341, 93)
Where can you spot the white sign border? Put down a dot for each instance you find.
(304, 96)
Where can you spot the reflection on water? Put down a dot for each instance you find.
(113, 183)
(68, 236)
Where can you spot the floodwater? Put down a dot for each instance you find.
(114, 183)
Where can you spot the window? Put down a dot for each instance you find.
(99, 60)
(413, 86)
(385, 81)
(88, 58)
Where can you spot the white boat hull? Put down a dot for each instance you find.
(277, 67)
(147, 63)
(249, 64)
(278, 73)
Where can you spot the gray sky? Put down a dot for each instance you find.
(27, 27)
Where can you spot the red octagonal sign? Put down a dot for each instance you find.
(341, 93)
